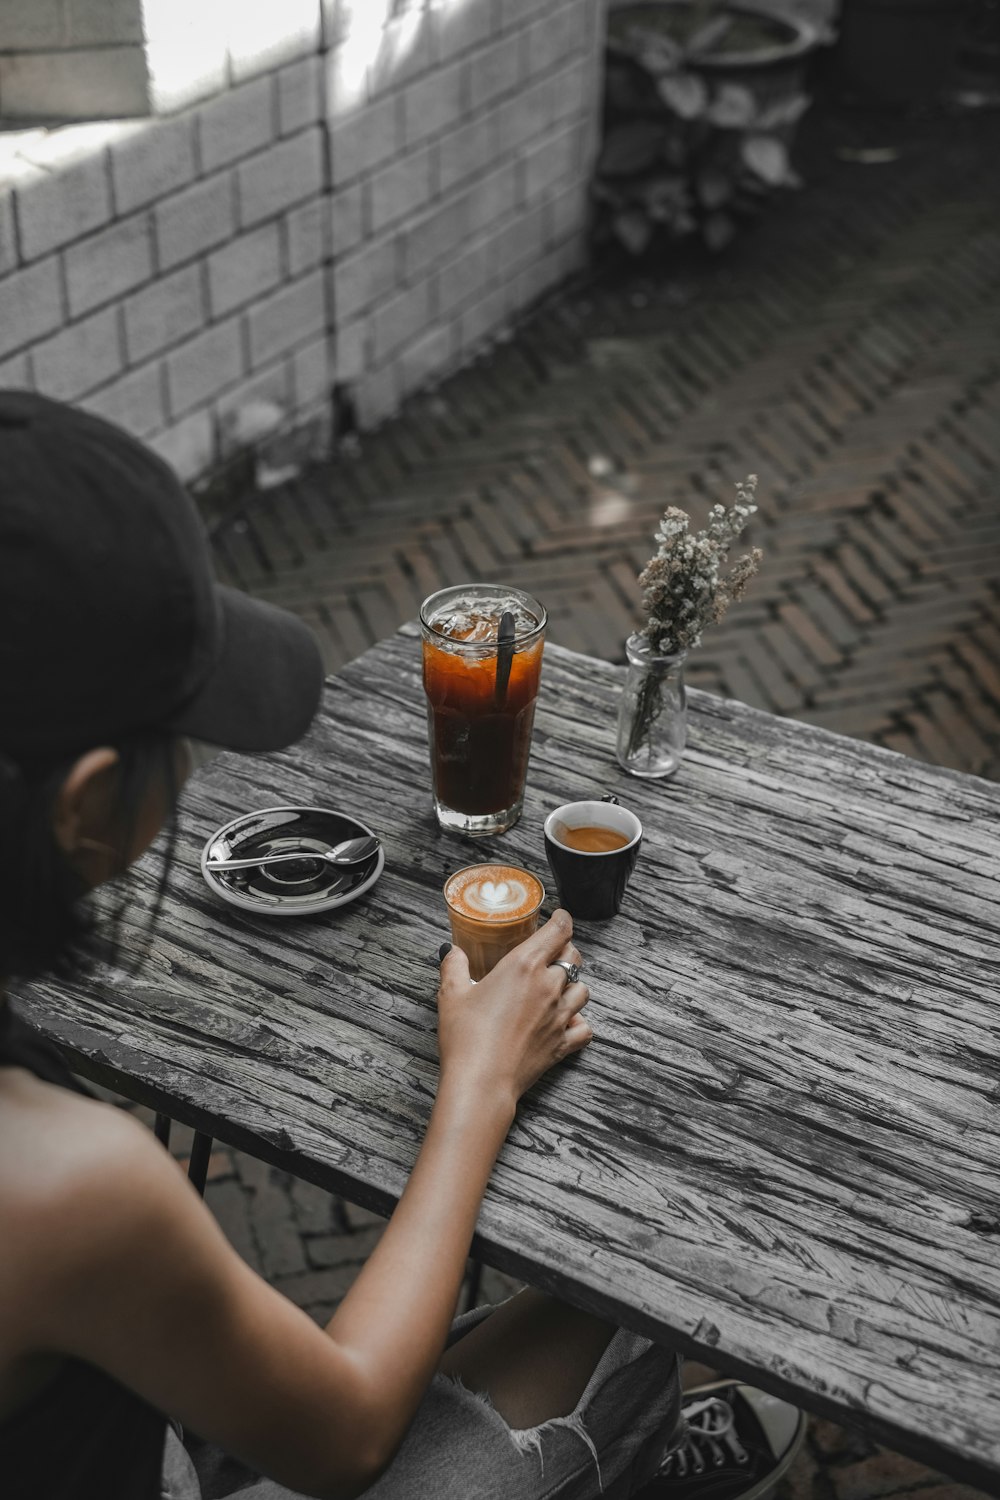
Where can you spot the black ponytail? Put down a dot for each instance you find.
(47, 920)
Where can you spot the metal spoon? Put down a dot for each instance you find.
(350, 852)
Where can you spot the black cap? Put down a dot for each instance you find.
(111, 620)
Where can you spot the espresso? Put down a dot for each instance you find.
(492, 908)
(592, 848)
(591, 839)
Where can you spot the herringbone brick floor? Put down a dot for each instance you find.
(848, 352)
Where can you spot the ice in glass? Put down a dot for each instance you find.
(481, 694)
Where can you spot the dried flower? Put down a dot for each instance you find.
(684, 587)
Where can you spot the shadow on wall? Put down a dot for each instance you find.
(369, 42)
(354, 195)
(66, 59)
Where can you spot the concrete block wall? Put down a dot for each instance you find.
(72, 59)
(363, 203)
(171, 274)
(459, 186)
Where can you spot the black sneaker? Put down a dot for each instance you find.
(739, 1442)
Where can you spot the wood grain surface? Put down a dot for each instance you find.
(781, 1151)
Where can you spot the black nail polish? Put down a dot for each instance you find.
(443, 952)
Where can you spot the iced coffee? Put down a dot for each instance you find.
(482, 659)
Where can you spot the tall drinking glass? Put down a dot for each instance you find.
(480, 702)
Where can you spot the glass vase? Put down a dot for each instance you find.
(652, 715)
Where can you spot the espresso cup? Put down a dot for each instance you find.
(592, 884)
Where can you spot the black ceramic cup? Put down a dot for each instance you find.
(592, 885)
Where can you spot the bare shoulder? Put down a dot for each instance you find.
(118, 1262)
(53, 1141)
(74, 1174)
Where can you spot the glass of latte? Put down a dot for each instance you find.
(492, 908)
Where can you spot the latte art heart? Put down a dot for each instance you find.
(496, 897)
(494, 893)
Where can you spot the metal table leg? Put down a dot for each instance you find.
(201, 1150)
(475, 1281)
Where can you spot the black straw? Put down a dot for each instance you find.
(505, 656)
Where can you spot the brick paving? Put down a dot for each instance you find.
(847, 351)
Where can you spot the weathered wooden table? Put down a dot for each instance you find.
(782, 1151)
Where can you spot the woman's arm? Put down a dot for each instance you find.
(495, 1039)
(141, 1282)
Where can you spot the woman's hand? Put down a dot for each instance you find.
(503, 1033)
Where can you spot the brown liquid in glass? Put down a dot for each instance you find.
(479, 749)
(483, 938)
(591, 840)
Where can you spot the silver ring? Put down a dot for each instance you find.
(572, 970)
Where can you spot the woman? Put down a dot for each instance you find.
(121, 1304)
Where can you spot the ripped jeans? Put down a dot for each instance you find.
(460, 1448)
